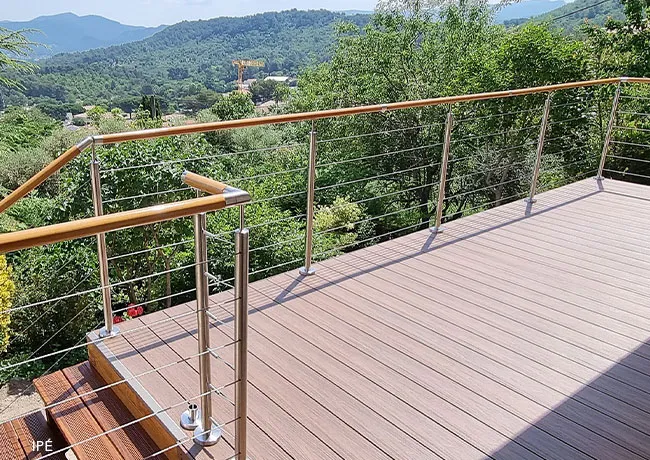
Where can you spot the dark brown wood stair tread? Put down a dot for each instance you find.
(33, 428)
(73, 419)
(132, 441)
(10, 447)
(18, 438)
(93, 414)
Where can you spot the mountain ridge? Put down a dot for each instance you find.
(69, 33)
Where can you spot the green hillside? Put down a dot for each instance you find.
(189, 59)
(565, 18)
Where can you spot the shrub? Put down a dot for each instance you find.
(18, 166)
(7, 290)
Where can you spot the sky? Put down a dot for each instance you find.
(156, 12)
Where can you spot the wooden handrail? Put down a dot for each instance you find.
(94, 225)
(205, 184)
(58, 163)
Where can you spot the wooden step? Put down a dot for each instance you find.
(30, 437)
(91, 415)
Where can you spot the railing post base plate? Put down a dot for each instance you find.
(304, 271)
(530, 200)
(191, 418)
(207, 439)
(103, 332)
(599, 178)
(437, 230)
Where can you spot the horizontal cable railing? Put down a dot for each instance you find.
(315, 190)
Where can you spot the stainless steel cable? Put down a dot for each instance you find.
(370, 219)
(299, 216)
(629, 158)
(92, 342)
(625, 173)
(358, 136)
(636, 97)
(119, 382)
(327, 187)
(503, 114)
(145, 195)
(279, 243)
(351, 160)
(367, 239)
(632, 144)
(171, 245)
(203, 158)
(49, 309)
(458, 195)
(633, 128)
(510, 165)
(483, 136)
(489, 203)
(287, 195)
(624, 112)
(544, 187)
(159, 299)
(262, 176)
(558, 167)
(276, 266)
(43, 302)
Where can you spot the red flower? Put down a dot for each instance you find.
(117, 319)
(139, 310)
(132, 312)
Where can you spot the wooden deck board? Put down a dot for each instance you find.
(511, 335)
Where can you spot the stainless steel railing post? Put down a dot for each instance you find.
(540, 149)
(109, 329)
(443, 172)
(241, 338)
(311, 181)
(206, 433)
(608, 135)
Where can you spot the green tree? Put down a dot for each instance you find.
(151, 104)
(234, 106)
(14, 45)
(96, 113)
(269, 90)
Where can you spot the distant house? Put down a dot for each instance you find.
(279, 79)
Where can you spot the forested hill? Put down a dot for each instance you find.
(67, 32)
(189, 57)
(585, 10)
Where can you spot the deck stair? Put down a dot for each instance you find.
(91, 415)
(18, 438)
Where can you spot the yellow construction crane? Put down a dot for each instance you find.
(242, 64)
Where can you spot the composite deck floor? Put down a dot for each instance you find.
(515, 334)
